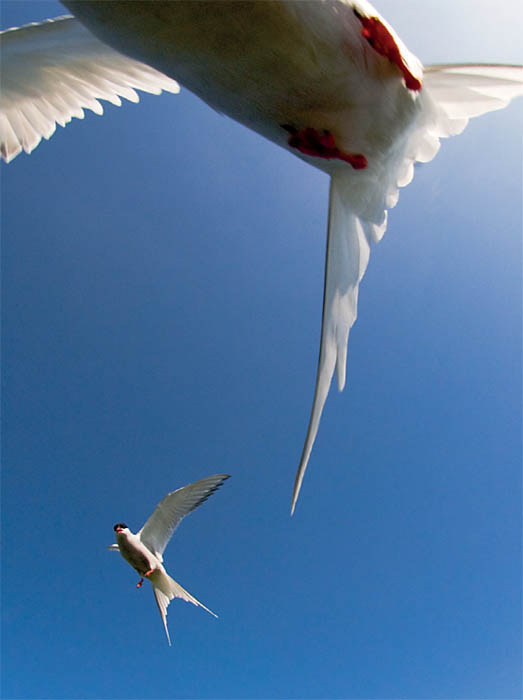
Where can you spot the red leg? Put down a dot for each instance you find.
(140, 583)
(321, 144)
(148, 573)
(383, 43)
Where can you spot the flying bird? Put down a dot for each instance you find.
(144, 550)
(329, 81)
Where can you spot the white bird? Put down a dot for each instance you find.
(144, 550)
(329, 81)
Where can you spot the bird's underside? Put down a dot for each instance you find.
(260, 63)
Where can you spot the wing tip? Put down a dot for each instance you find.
(222, 478)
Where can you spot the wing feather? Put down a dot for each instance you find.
(167, 515)
(465, 91)
(53, 71)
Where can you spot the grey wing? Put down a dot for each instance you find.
(167, 515)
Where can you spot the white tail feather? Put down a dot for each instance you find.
(165, 589)
(162, 601)
(346, 261)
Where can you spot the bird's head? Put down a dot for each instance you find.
(120, 527)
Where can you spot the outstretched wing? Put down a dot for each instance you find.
(52, 71)
(469, 90)
(167, 515)
(451, 95)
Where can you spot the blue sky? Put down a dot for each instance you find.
(162, 284)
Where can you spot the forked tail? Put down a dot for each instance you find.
(165, 589)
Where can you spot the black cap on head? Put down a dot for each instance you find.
(119, 526)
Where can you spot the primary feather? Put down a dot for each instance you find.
(168, 514)
(52, 71)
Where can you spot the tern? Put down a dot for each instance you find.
(144, 550)
(330, 81)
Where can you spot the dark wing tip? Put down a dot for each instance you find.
(212, 489)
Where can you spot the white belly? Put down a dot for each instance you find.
(266, 64)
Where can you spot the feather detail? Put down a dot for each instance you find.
(166, 589)
(347, 257)
(168, 514)
(53, 71)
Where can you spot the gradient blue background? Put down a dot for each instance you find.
(163, 273)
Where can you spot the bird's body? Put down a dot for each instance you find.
(136, 553)
(268, 64)
(144, 550)
(329, 81)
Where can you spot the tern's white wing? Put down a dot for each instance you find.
(54, 70)
(465, 91)
(158, 530)
(450, 96)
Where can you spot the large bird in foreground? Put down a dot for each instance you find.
(144, 550)
(329, 81)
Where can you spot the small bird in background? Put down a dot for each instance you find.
(144, 550)
(329, 81)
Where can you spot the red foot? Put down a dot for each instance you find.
(321, 144)
(148, 573)
(140, 583)
(383, 43)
